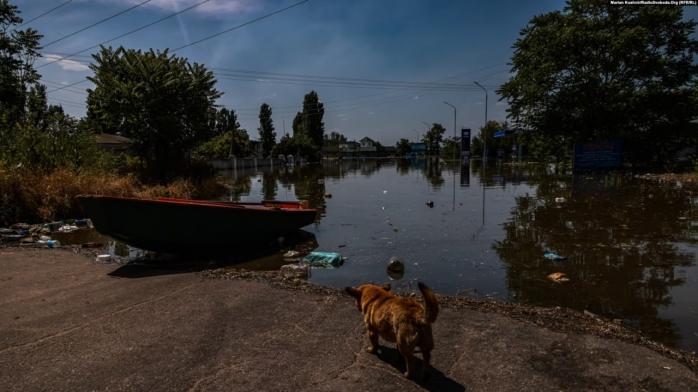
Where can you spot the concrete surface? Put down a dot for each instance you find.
(69, 324)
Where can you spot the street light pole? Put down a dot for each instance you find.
(484, 136)
(454, 127)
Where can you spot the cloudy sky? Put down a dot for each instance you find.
(349, 51)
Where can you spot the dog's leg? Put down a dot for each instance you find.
(407, 353)
(373, 337)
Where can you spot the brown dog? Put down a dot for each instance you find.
(400, 320)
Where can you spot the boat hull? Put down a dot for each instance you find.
(187, 226)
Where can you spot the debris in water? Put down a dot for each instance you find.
(328, 195)
(396, 269)
(430, 204)
(560, 200)
(324, 259)
(558, 277)
(550, 255)
(291, 254)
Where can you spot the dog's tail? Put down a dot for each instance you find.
(431, 304)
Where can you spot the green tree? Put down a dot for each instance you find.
(225, 120)
(160, 101)
(596, 71)
(432, 139)
(493, 143)
(232, 143)
(266, 129)
(334, 139)
(313, 111)
(402, 147)
(18, 51)
(451, 148)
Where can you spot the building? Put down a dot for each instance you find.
(113, 143)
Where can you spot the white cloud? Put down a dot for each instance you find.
(66, 64)
(213, 7)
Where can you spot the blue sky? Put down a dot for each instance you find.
(418, 41)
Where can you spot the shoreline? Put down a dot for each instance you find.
(559, 319)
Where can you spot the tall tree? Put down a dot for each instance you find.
(402, 147)
(313, 111)
(597, 71)
(432, 139)
(266, 130)
(18, 50)
(159, 100)
(225, 120)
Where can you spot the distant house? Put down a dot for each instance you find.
(113, 143)
(367, 144)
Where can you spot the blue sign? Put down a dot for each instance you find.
(501, 133)
(598, 155)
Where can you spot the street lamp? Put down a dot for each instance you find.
(484, 136)
(454, 127)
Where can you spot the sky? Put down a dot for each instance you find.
(435, 42)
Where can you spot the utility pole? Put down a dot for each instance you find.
(484, 136)
(454, 127)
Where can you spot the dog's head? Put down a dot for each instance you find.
(359, 292)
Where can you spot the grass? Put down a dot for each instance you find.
(32, 197)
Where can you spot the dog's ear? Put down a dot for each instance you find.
(386, 287)
(353, 292)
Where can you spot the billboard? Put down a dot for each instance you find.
(598, 155)
(465, 146)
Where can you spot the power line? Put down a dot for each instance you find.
(126, 33)
(45, 13)
(241, 25)
(97, 23)
(67, 85)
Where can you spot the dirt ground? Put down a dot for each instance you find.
(70, 324)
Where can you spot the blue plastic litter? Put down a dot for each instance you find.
(324, 259)
(553, 256)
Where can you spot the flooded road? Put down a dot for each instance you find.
(629, 246)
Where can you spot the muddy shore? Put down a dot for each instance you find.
(69, 323)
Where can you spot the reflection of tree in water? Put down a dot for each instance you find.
(403, 166)
(241, 187)
(308, 183)
(269, 186)
(619, 238)
(432, 172)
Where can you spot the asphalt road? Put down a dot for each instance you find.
(69, 324)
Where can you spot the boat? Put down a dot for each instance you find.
(188, 226)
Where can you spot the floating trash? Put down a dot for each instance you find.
(396, 269)
(430, 204)
(324, 259)
(558, 277)
(550, 255)
(560, 200)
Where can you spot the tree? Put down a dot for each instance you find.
(596, 71)
(402, 147)
(225, 120)
(313, 111)
(18, 50)
(494, 144)
(160, 101)
(451, 148)
(432, 139)
(266, 130)
(334, 139)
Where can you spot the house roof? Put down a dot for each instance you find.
(107, 138)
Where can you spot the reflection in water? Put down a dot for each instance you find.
(619, 238)
(630, 245)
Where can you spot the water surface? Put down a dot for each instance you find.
(630, 245)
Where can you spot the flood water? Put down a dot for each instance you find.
(630, 245)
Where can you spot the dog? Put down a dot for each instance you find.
(401, 320)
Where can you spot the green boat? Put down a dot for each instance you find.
(188, 226)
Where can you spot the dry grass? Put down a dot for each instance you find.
(40, 197)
